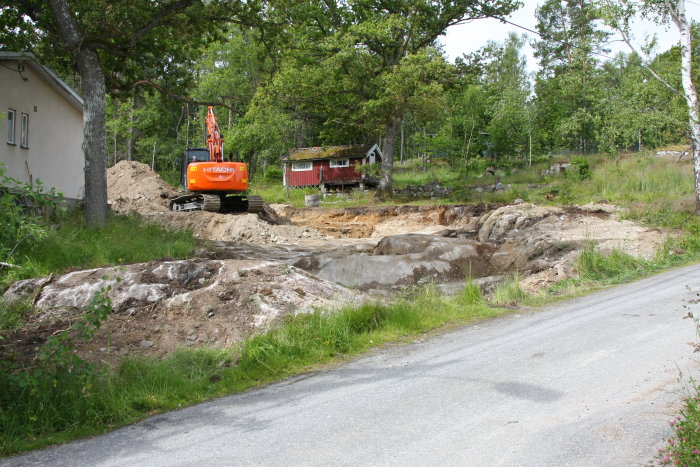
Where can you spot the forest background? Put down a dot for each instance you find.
(300, 74)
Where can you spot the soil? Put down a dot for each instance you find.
(132, 187)
(298, 260)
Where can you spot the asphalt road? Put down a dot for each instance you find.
(593, 381)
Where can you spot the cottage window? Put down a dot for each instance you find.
(11, 117)
(301, 166)
(335, 163)
(24, 139)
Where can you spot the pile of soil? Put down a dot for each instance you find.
(132, 187)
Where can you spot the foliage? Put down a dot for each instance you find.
(124, 240)
(58, 389)
(583, 168)
(20, 208)
(684, 447)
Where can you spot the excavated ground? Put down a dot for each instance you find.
(262, 267)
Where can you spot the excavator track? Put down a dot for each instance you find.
(217, 203)
(211, 203)
(255, 204)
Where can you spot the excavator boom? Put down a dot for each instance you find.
(214, 184)
(214, 139)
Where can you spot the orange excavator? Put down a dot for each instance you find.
(213, 184)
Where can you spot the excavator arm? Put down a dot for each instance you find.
(215, 140)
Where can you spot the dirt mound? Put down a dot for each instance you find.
(132, 187)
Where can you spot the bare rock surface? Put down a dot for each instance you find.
(411, 259)
(162, 302)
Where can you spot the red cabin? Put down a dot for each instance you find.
(329, 166)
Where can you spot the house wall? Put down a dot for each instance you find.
(322, 169)
(54, 155)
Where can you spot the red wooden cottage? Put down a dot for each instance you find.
(329, 166)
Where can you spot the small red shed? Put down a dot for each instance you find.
(327, 166)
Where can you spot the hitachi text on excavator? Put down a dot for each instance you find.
(213, 184)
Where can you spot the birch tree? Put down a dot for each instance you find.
(620, 16)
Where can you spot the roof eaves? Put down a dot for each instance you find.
(47, 73)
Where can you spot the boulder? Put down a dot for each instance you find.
(506, 222)
(411, 259)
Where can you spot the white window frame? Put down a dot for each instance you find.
(11, 124)
(24, 134)
(304, 166)
(338, 163)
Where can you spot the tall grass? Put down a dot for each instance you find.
(509, 292)
(55, 406)
(71, 244)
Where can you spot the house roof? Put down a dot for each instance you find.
(54, 81)
(329, 152)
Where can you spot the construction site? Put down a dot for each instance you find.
(252, 269)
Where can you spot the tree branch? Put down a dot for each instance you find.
(644, 58)
(158, 19)
(167, 92)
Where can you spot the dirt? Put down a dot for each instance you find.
(299, 260)
(381, 221)
(132, 187)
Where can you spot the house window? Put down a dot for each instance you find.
(11, 117)
(301, 166)
(24, 139)
(335, 163)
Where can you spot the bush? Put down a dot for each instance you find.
(273, 174)
(21, 208)
(583, 168)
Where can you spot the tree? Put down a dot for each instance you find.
(506, 82)
(371, 61)
(567, 84)
(117, 46)
(667, 11)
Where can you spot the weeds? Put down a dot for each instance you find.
(684, 448)
(509, 292)
(60, 398)
(124, 240)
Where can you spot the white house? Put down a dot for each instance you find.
(41, 120)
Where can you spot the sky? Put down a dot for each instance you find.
(465, 38)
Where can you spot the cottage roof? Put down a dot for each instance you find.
(329, 152)
(54, 81)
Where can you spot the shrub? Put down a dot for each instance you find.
(21, 207)
(583, 168)
(273, 174)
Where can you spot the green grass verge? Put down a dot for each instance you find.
(62, 400)
(71, 244)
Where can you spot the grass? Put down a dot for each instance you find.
(509, 292)
(71, 244)
(50, 404)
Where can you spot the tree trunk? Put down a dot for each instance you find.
(93, 86)
(691, 96)
(389, 148)
(130, 131)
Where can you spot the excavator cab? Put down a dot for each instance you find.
(191, 155)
